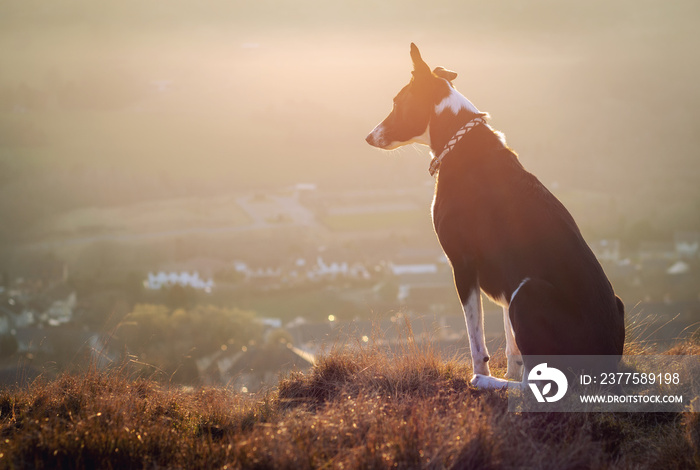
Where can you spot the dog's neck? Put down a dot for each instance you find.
(453, 118)
(461, 132)
(450, 114)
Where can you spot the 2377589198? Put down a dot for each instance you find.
(634, 378)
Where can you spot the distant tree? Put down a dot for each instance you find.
(172, 339)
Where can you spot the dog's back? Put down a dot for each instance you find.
(491, 212)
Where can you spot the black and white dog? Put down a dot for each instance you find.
(504, 233)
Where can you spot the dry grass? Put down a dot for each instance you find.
(357, 408)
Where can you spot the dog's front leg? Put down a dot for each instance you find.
(513, 357)
(470, 295)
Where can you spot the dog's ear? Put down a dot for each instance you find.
(420, 68)
(448, 75)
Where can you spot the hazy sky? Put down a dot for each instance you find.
(233, 94)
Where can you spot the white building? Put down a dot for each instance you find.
(184, 279)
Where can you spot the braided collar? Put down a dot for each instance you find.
(436, 161)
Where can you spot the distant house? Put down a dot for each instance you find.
(240, 267)
(184, 279)
(606, 250)
(324, 270)
(266, 272)
(11, 319)
(301, 190)
(61, 311)
(403, 269)
(53, 306)
(251, 273)
(687, 244)
(301, 270)
(205, 266)
(678, 268)
(421, 280)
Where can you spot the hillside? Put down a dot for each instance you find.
(360, 409)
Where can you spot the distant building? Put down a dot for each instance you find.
(13, 318)
(421, 279)
(61, 311)
(678, 268)
(606, 250)
(402, 269)
(687, 244)
(184, 279)
(323, 270)
(301, 270)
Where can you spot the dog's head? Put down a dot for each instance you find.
(427, 94)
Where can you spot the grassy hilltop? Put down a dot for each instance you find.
(361, 409)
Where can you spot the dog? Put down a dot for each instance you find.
(504, 234)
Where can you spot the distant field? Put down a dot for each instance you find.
(148, 217)
(376, 220)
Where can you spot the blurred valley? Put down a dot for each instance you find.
(187, 186)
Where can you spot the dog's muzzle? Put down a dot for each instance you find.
(376, 138)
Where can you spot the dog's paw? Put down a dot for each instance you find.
(478, 380)
(486, 382)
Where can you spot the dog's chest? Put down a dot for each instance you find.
(435, 210)
(453, 215)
